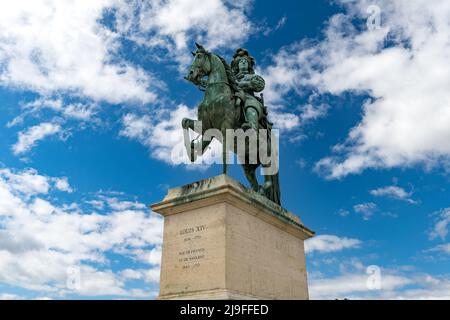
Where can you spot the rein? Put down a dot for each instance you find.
(203, 87)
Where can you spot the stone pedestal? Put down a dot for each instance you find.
(223, 241)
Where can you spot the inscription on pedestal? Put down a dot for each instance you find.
(193, 253)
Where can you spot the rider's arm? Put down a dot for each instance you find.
(245, 84)
(255, 83)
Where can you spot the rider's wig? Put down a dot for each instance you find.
(242, 54)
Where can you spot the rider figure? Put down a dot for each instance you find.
(249, 83)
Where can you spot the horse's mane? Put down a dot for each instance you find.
(230, 76)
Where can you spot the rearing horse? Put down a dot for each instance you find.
(219, 111)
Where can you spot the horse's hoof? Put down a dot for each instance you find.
(184, 123)
(265, 188)
(261, 191)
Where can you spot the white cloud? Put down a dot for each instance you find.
(61, 48)
(348, 285)
(284, 121)
(62, 184)
(131, 274)
(136, 127)
(445, 248)
(367, 210)
(440, 229)
(147, 275)
(152, 256)
(393, 192)
(354, 280)
(311, 112)
(163, 135)
(402, 66)
(330, 243)
(96, 204)
(41, 241)
(119, 205)
(77, 111)
(394, 285)
(175, 24)
(29, 138)
(27, 182)
(60, 45)
(10, 296)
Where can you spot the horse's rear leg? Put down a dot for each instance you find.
(250, 173)
(224, 148)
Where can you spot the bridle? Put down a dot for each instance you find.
(202, 87)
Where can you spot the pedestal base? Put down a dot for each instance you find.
(222, 241)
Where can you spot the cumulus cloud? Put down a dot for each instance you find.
(175, 24)
(352, 279)
(330, 243)
(27, 182)
(146, 275)
(63, 50)
(394, 284)
(45, 246)
(29, 138)
(350, 285)
(311, 112)
(163, 135)
(402, 66)
(62, 184)
(59, 45)
(83, 113)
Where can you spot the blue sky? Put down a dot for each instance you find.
(92, 95)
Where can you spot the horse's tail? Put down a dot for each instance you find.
(274, 192)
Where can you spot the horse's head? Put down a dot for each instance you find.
(201, 66)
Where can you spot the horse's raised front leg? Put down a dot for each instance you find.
(194, 148)
(187, 123)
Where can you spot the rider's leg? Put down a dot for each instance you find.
(252, 119)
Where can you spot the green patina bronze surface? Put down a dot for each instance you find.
(230, 102)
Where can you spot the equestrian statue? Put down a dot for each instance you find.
(231, 103)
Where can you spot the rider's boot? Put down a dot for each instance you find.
(252, 118)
